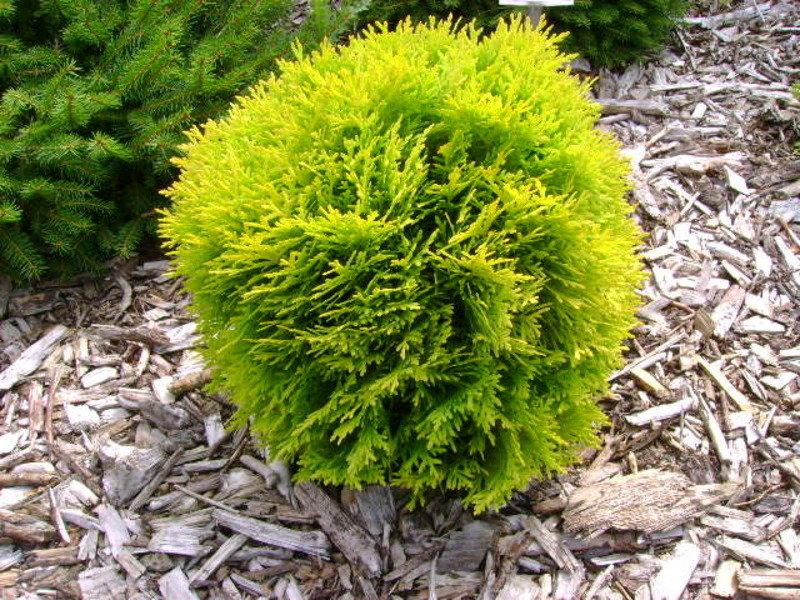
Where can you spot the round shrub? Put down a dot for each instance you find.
(411, 260)
(607, 32)
(611, 33)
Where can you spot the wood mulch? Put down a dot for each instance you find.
(119, 480)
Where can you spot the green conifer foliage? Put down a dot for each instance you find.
(617, 32)
(607, 32)
(412, 261)
(95, 96)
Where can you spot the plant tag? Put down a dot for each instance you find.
(542, 3)
(535, 7)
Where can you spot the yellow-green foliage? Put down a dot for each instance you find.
(412, 260)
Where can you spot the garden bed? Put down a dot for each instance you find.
(117, 478)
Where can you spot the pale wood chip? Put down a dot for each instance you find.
(32, 358)
(223, 553)
(649, 501)
(313, 543)
(675, 573)
(175, 586)
(353, 541)
(101, 583)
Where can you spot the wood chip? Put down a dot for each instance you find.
(355, 543)
(648, 501)
(717, 375)
(32, 358)
(675, 572)
(175, 586)
(312, 543)
(662, 412)
(102, 583)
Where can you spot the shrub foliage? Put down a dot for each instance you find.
(95, 96)
(411, 259)
(616, 32)
(607, 32)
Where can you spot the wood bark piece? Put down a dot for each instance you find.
(647, 501)
(507, 552)
(190, 382)
(175, 586)
(114, 527)
(32, 358)
(142, 334)
(730, 18)
(614, 106)
(599, 582)
(127, 469)
(675, 572)
(662, 412)
(717, 375)
(571, 571)
(725, 313)
(649, 383)
(715, 434)
(778, 584)
(725, 579)
(520, 587)
(130, 563)
(47, 557)
(374, 507)
(55, 515)
(163, 416)
(144, 495)
(466, 548)
(24, 478)
(223, 553)
(180, 540)
(102, 583)
(313, 543)
(24, 528)
(355, 543)
(761, 554)
(259, 466)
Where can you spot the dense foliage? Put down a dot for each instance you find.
(95, 96)
(616, 32)
(411, 259)
(607, 32)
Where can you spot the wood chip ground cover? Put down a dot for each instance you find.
(118, 479)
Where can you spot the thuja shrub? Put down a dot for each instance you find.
(411, 260)
(607, 32)
(95, 97)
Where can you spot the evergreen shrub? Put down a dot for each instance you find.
(411, 259)
(95, 96)
(609, 33)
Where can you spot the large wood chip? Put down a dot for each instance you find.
(32, 358)
(102, 583)
(313, 543)
(24, 528)
(127, 470)
(675, 572)
(647, 501)
(467, 547)
(175, 586)
(353, 541)
(143, 334)
(114, 527)
(372, 506)
(181, 540)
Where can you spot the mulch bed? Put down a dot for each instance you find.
(118, 479)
